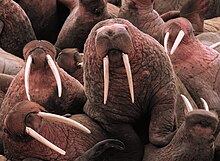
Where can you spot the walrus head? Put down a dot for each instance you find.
(40, 54)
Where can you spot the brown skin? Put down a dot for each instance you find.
(70, 59)
(43, 88)
(79, 23)
(10, 64)
(141, 14)
(194, 140)
(194, 62)
(18, 145)
(152, 76)
(163, 6)
(17, 30)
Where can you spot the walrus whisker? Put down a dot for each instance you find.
(177, 41)
(44, 141)
(26, 76)
(215, 45)
(166, 38)
(187, 103)
(129, 75)
(106, 77)
(205, 104)
(65, 120)
(55, 73)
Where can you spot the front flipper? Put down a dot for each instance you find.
(102, 150)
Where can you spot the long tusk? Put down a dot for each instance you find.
(129, 75)
(177, 41)
(55, 73)
(213, 46)
(65, 120)
(188, 104)
(44, 141)
(26, 76)
(166, 38)
(106, 77)
(205, 104)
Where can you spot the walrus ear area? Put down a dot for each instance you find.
(1, 26)
(32, 45)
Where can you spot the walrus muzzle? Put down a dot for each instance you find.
(114, 42)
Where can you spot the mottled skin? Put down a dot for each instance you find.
(209, 38)
(195, 64)
(194, 140)
(70, 60)
(163, 6)
(79, 23)
(154, 87)
(43, 16)
(18, 145)
(17, 30)
(10, 64)
(43, 88)
(142, 15)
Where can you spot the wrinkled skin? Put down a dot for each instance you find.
(18, 145)
(79, 23)
(194, 140)
(71, 61)
(163, 6)
(42, 85)
(10, 64)
(142, 15)
(16, 29)
(43, 16)
(209, 38)
(195, 64)
(154, 86)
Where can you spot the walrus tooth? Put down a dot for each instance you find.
(129, 75)
(106, 77)
(26, 76)
(205, 104)
(166, 38)
(65, 120)
(55, 73)
(187, 103)
(177, 41)
(213, 46)
(44, 141)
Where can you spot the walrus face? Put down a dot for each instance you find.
(97, 7)
(38, 55)
(176, 31)
(113, 43)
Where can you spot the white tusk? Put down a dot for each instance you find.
(106, 77)
(187, 103)
(205, 104)
(55, 73)
(26, 76)
(177, 41)
(213, 46)
(65, 120)
(44, 141)
(166, 38)
(129, 75)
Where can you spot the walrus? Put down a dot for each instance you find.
(130, 85)
(26, 121)
(194, 140)
(80, 21)
(71, 61)
(15, 29)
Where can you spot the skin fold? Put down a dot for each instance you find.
(16, 29)
(151, 117)
(18, 145)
